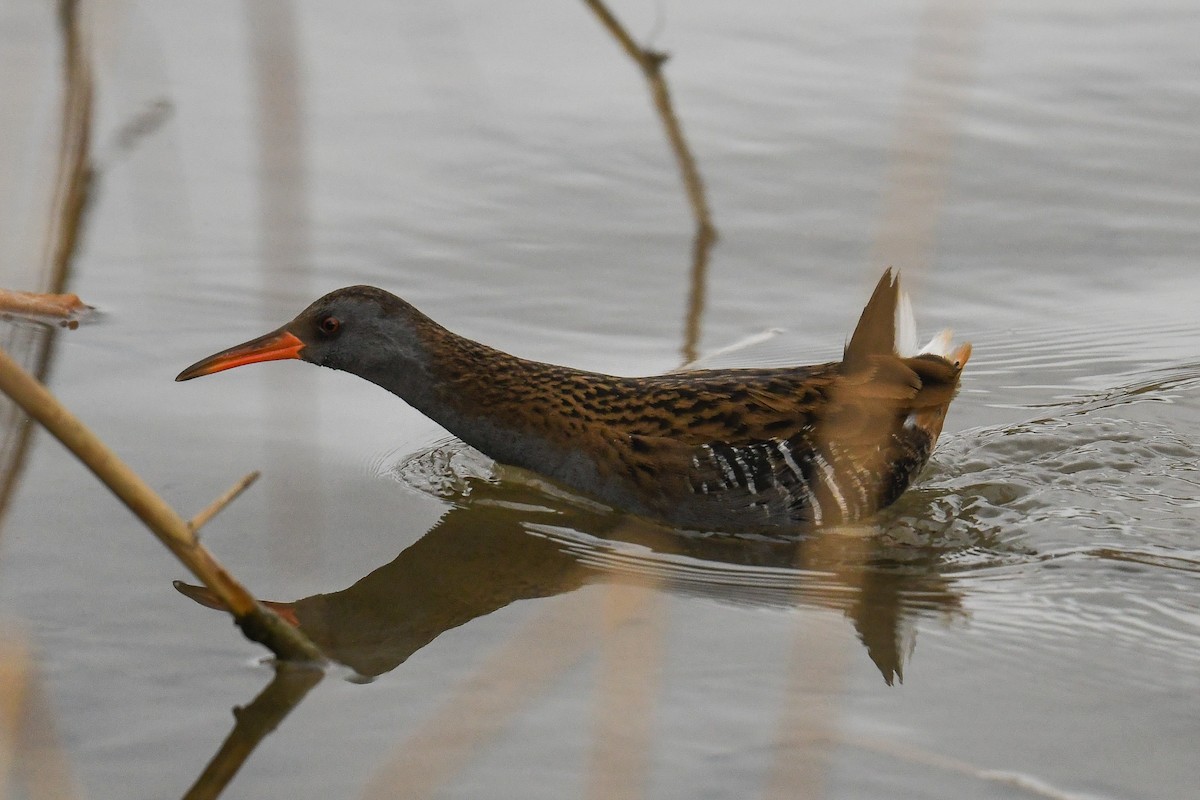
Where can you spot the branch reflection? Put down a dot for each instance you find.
(254, 721)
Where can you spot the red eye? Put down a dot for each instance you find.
(329, 326)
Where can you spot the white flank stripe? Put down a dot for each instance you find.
(815, 506)
(726, 467)
(749, 475)
(831, 484)
(786, 451)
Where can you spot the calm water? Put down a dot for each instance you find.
(1026, 622)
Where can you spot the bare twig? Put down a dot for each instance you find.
(697, 293)
(75, 177)
(216, 506)
(65, 307)
(650, 62)
(257, 622)
(30, 749)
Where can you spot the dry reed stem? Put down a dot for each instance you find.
(66, 307)
(14, 682)
(804, 736)
(282, 174)
(914, 193)
(550, 644)
(257, 622)
(697, 293)
(30, 752)
(929, 118)
(75, 173)
(216, 506)
(631, 659)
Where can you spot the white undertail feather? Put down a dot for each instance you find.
(940, 345)
(906, 327)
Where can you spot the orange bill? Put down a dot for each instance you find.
(273, 346)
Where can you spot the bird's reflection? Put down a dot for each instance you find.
(512, 540)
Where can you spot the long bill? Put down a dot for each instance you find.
(273, 346)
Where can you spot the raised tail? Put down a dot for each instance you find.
(875, 334)
(892, 400)
(887, 327)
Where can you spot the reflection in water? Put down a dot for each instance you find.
(990, 495)
(32, 344)
(512, 540)
(254, 722)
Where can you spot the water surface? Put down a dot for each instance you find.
(1023, 623)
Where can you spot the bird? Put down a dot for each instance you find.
(743, 450)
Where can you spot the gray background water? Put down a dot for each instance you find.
(500, 166)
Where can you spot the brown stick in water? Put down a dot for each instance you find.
(257, 623)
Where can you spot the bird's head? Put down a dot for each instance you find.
(357, 329)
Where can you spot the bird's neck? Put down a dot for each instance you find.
(508, 407)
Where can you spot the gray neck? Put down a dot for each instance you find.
(488, 399)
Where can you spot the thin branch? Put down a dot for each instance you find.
(650, 62)
(216, 506)
(697, 294)
(76, 175)
(257, 622)
(66, 309)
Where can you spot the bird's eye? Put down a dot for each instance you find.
(329, 326)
